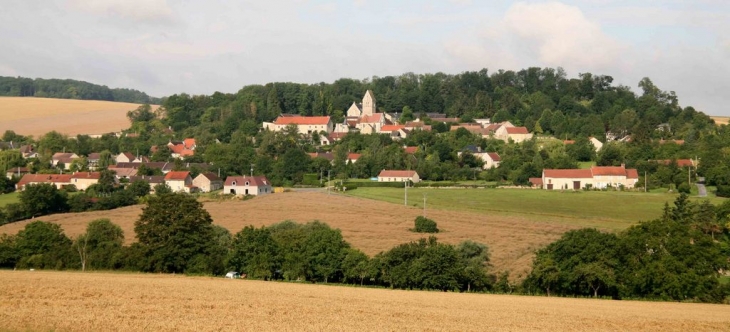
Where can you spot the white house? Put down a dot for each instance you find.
(247, 185)
(398, 176)
(179, 181)
(599, 177)
(305, 124)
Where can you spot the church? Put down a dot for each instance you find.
(365, 116)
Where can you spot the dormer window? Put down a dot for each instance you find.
(233, 183)
(247, 183)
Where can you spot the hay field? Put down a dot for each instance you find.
(369, 225)
(37, 116)
(721, 120)
(74, 301)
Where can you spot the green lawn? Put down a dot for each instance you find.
(607, 210)
(8, 198)
(586, 164)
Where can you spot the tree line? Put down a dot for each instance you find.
(70, 89)
(176, 235)
(679, 257)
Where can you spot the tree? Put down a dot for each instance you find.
(175, 231)
(407, 115)
(140, 188)
(475, 258)
(356, 265)
(42, 199)
(43, 245)
(425, 225)
(255, 253)
(162, 189)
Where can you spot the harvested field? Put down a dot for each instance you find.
(720, 120)
(369, 225)
(37, 116)
(74, 301)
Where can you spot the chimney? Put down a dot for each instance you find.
(623, 165)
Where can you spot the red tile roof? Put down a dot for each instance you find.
(255, 181)
(129, 155)
(517, 130)
(536, 181)
(494, 156)
(210, 176)
(568, 141)
(608, 171)
(410, 149)
(177, 175)
(375, 118)
(124, 172)
(337, 136)
(353, 156)
(189, 143)
(680, 162)
(392, 127)
(43, 178)
(632, 173)
(303, 120)
(396, 174)
(568, 173)
(86, 175)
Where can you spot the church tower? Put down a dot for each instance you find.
(368, 103)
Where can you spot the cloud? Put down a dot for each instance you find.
(560, 35)
(143, 11)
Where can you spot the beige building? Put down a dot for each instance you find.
(491, 159)
(598, 177)
(83, 180)
(306, 125)
(367, 107)
(398, 176)
(58, 180)
(179, 181)
(598, 145)
(64, 159)
(516, 134)
(247, 185)
(207, 182)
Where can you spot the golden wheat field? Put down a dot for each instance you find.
(75, 301)
(37, 116)
(721, 120)
(369, 225)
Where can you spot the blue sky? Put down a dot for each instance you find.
(171, 46)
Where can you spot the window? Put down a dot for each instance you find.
(247, 183)
(233, 183)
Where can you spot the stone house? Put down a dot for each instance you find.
(247, 185)
(83, 180)
(207, 182)
(398, 176)
(179, 181)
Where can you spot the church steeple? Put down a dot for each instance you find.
(368, 103)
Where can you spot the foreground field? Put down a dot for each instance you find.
(73, 301)
(599, 209)
(369, 225)
(37, 116)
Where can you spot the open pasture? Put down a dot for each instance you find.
(75, 301)
(608, 210)
(37, 116)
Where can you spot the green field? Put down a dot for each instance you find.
(600, 209)
(8, 198)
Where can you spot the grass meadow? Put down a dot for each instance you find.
(76, 301)
(600, 209)
(6, 199)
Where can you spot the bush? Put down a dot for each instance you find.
(349, 184)
(425, 225)
(723, 191)
(684, 188)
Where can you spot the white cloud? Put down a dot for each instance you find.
(147, 11)
(560, 35)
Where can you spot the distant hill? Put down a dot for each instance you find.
(69, 89)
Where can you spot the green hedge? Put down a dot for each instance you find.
(350, 184)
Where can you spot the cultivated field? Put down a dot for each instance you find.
(369, 225)
(720, 120)
(74, 301)
(37, 116)
(512, 222)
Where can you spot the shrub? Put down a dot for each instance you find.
(425, 225)
(723, 190)
(683, 188)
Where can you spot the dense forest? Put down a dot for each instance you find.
(69, 89)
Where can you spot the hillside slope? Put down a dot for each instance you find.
(37, 116)
(368, 225)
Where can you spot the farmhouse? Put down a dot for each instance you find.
(83, 180)
(179, 181)
(305, 124)
(28, 151)
(58, 180)
(207, 182)
(516, 134)
(599, 177)
(247, 185)
(398, 176)
(17, 172)
(151, 180)
(64, 159)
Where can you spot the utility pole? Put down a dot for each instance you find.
(405, 188)
(424, 205)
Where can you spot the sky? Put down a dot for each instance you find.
(163, 47)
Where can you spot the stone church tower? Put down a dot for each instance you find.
(368, 103)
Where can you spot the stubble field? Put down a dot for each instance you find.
(75, 301)
(369, 225)
(37, 116)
